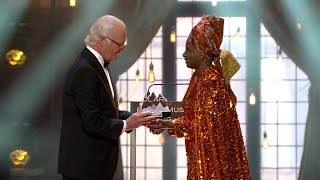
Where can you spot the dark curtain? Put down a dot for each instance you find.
(302, 46)
(143, 19)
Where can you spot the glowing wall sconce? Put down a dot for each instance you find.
(252, 99)
(265, 141)
(19, 157)
(238, 33)
(137, 78)
(161, 139)
(173, 36)
(73, 3)
(214, 2)
(299, 25)
(151, 77)
(15, 57)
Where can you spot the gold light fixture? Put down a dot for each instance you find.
(265, 141)
(161, 139)
(16, 57)
(214, 2)
(252, 99)
(151, 77)
(73, 3)
(173, 36)
(299, 25)
(280, 55)
(137, 76)
(19, 157)
(237, 35)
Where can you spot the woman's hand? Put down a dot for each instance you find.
(156, 131)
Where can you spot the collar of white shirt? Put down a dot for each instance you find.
(96, 54)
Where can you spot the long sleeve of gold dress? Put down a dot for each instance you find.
(214, 143)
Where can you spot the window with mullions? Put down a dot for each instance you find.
(148, 149)
(284, 107)
(234, 40)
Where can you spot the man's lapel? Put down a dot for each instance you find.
(115, 94)
(95, 63)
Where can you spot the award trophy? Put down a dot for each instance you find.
(158, 106)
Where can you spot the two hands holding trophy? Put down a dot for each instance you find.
(158, 106)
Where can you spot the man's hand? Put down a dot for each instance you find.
(161, 124)
(139, 119)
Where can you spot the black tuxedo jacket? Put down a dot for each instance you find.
(91, 123)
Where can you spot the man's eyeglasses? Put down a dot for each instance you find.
(122, 46)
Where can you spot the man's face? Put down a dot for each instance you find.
(115, 44)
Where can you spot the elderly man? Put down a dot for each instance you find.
(92, 122)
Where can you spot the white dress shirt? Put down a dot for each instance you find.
(101, 61)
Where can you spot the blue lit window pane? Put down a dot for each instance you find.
(154, 156)
(299, 156)
(154, 174)
(241, 110)
(287, 134)
(183, 73)
(284, 116)
(241, 74)
(238, 47)
(184, 26)
(289, 71)
(140, 132)
(181, 46)
(269, 157)
(300, 134)
(269, 113)
(156, 45)
(301, 74)
(181, 90)
(272, 134)
(302, 112)
(303, 90)
(239, 88)
(182, 159)
(140, 156)
(287, 156)
(182, 173)
(269, 47)
(244, 134)
(140, 173)
(268, 174)
(225, 43)
(278, 90)
(287, 174)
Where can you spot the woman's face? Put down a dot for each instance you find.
(192, 56)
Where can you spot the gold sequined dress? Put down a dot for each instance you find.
(210, 126)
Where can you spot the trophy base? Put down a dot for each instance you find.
(161, 114)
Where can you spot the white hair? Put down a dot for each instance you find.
(103, 26)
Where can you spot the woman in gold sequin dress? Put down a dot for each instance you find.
(210, 126)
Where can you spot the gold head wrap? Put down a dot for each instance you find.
(206, 37)
(230, 65)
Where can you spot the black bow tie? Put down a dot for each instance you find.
(106, 64)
